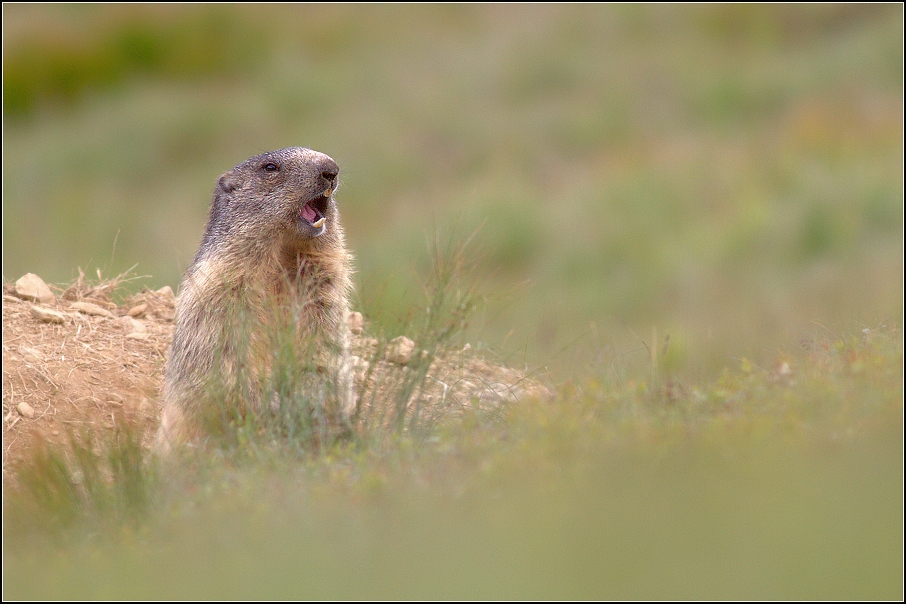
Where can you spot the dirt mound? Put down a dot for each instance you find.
(76, 359)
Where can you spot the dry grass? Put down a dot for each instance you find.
(97, 372)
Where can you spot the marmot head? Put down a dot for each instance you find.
(286, 193)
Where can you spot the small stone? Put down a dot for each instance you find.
(92, 309)
(25, 410)
(165, 314)
(356, 322)
(400, 350)
(46, 315)
(133, 325)
(102, 303)
(11, 298)
(169, 297)
(31, 287)
(137, 311)
(138, 335)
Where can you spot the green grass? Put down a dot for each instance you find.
(767, 483)
(726, 174)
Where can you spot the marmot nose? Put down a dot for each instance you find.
(328, 169)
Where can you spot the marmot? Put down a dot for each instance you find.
(261, 317)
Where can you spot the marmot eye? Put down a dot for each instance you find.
(270, 167)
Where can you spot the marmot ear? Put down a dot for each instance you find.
(227, 182)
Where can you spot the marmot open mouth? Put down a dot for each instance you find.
(313, 210)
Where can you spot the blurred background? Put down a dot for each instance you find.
(730, 176)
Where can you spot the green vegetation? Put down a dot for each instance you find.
(728, 176)
(780, 483)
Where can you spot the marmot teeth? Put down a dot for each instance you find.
(317, 224)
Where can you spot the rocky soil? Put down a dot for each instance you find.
(73, 359)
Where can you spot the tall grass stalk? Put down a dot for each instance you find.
(396, 401)
(96, 480)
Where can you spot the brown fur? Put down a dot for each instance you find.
(262, 271)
